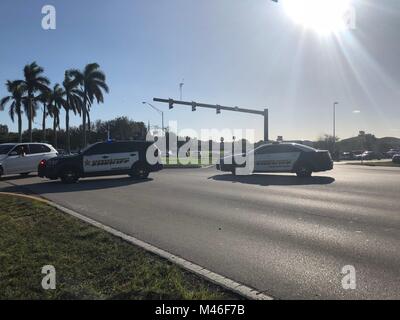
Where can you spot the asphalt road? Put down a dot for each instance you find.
(287, 237)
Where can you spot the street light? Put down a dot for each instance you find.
(159, 111)
(334, 127)
(181, 88)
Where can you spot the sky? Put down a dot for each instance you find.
(246, 53)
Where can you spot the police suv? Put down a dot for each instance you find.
(282, 157)
(101, 159)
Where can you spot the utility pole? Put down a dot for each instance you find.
(108, 132)
(266, 125)
(218, 108)
(334, 127)
(181, 88)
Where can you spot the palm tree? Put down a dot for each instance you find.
(57, 101)
(93, 82)
(34, 81)
(73, 99)
(44, 98)
(16, 90)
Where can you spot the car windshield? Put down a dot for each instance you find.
(4, 149)
(85, 149)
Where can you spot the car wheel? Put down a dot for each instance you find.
(139, 172)
(304, 172)
(69, 176)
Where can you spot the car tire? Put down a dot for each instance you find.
(304, 171)
(139, 172)
(69, 176)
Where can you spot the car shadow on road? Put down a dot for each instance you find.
(274, 180)
(82, 185)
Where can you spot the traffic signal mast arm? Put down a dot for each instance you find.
(172, 102)
(219, 108)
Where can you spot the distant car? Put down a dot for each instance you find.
(284, 157)
(103, 159)
(23, 158)
(369, 155)
(347, 156)
(62, 152)
(392, 152)
(396, 158)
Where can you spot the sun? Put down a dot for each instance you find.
(322, 16)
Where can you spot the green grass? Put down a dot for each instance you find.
(190, 161)
(376, 164)
(90, 263)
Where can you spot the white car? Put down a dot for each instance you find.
(23, 158)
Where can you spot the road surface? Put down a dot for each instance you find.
(287, 237)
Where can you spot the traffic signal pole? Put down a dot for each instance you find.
(220, 108)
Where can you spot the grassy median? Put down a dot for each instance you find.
(90, 263)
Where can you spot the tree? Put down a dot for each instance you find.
(34, 81)
(3, 129)
(120, 128)
(73, 102)
(44, 98)
(16, 90)
(326, 142)
(93, 82)
(57, 101)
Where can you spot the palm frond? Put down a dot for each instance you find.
(89, 68)
(12, 111)
(4, 101)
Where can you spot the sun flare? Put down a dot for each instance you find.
(322, 16)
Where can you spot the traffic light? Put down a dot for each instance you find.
(171, 104)
(194, 106)
(218, 109)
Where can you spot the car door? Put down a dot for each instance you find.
(286, 157)
(97, 159)
(276, 158)
(37, 153)
(123, 156)
(18, 160)
(263, 158)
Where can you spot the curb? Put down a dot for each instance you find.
(208, 275)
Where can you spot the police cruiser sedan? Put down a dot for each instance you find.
(102, 159)
(281, 158)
